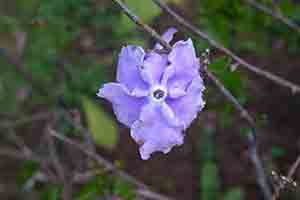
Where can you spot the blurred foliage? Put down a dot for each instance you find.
(277, 152)
(106, 186)
(233, 81)
(102, 127)
(50, 192)
(28, 169)
(71, 49)
(209, 177)
(231, 78)
(210, 180)
(234, 194)
(239, 26)
(210, 183)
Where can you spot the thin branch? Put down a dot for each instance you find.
(142, 25)
(290, 175)
(23, 155)
(151, 195)
(87, 135)
(27, 153)
(268, 75)
(252, 149)
(47, 176)
(67, 186)
(261, 178)
(257, 163)
(37, 177)
(108, 166)
(243, 112)
(275, 14)
(13, 153)
(16, 61)
(25, 120)
(294, 168)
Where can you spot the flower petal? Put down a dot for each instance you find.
(176, 92)
(138, 92)
(183, 59)
(154, 133)
(167, 36)
(169, 115)
(126, 107)
(183, 56)
(128, 73)
(187, 107)
(153, 67)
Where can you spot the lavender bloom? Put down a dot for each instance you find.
(157, 95)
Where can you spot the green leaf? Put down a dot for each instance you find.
(123, 189)
(51, 192)
(8, 24)
(27, 171)
(234, 194)
(231, 79)
(210, 183)
(147, 10)
(89, 191)
(102, 127)
(277, 152)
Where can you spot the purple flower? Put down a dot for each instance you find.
(157, 94)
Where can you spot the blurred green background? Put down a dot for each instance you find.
(55, 55)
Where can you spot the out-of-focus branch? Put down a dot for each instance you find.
(268, 75)
(290, 175)
(108, 166)
(16, 61)
(142, 25)
(257, 163)
(25, 120)
(261, 178)
(275, 14)
(252, 149)
(24, 152)
(243, 112)
(45, 175)
(294, 167)
(59, 167)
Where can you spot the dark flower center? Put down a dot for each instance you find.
(158, 94)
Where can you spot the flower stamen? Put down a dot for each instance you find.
(158, 94)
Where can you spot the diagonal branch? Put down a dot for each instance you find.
(59, 167)
(275, 14)
(261, 178)
(294, 167)
(16, 61)
(268, 75)
(25, 120)
(146, 28)
(108, 166)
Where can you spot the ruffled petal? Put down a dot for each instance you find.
(187, 107)
(167, 36)
(183, 59)
(183, 56)
(126, 107)
(154, 133)
(128, 72)
(153, 67)
(170, 116)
